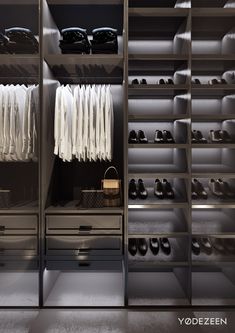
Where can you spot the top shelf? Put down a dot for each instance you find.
(157, 12)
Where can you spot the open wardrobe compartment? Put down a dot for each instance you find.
(117, 153)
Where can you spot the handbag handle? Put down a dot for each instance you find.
(111, 167)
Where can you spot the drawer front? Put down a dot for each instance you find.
(84, 265)
(22, 265)
(84, 224)
(84, 246)
(19, 224)
(18, 245)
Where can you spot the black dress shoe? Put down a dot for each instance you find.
(225, 188)
(132, 189)
(193, 137)
(167, 137)
(162, 81)
(165, 246)
(154, 246)
(158, 189)
(215, 188)
(222, 81)
(143, 81)
(229, 245)
(215, 137)
(133, 137)
(199, 137)
(167, 190)
(170, 81)
(213, 81)
(217, 244)
(158, 138)
(142, 192)
(142, 246)
(132, 246)
(196, 81)
(195, 247)
(194, 192)
(206, 245)
(135, 81)
(199, 189)
(142, 137)
(225, 136)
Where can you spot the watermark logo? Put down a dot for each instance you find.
(203, 321)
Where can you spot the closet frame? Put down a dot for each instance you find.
(49, 57)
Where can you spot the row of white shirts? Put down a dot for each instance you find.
(83, 127)
(19, 107)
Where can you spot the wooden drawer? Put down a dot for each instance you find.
(83, 224)
(18, 245)
(84, 265)
(84, 246)
(18, 224)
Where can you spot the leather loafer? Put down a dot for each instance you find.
(158, 138)
(225, 136)
(199, 189)
(225, 188)
(154, 246)
(142, 137)
(135, 81)
(132, 189)
(142, 246)
(158, 189)
(132, 246)
(196, 81)
(165, 246)
(162, 81)
(133, 137)
(167, 137)
(170, 81)
(167, 189)
(215, 137)
(215, 188)
(195, 247)
(143, 81)
(206, 245)
(199, 137)
(142, 192)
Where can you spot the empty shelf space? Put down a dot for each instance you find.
(19, 288)
(213, 108)
(158, 57)
(71, 288)
(159, 288)
(158, 12)
(84, 2)
(213, 287)
(22, 208)
(213, 221)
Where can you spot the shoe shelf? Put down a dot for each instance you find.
(23, 208)
(213, 222)
(158, 12)
(163, 287)
(84, 2)
(209, 3)
(167, 4)
(213, 286)
(157, 145)
(157, 57)
(152, 90)
(213, 12)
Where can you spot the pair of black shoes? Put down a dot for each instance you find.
(220, 189)
(137, 138)
(136, 81)
(75, 40)
(208, 245)
(220, 136)
(137, 190)
(163, 137)
(197, 137)
(18, 41)
(211, 82)
(163, 81)
(141, 245)
(198, 190)
(163, 189)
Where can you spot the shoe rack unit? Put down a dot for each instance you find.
(159, 48)
(213, 108)
(53, 253)
(19, 223)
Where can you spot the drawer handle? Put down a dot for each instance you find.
(84, 264)
(85, 228)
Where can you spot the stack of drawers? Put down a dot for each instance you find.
(18, 242)
(84, 242)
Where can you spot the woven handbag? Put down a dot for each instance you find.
(112, 189)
